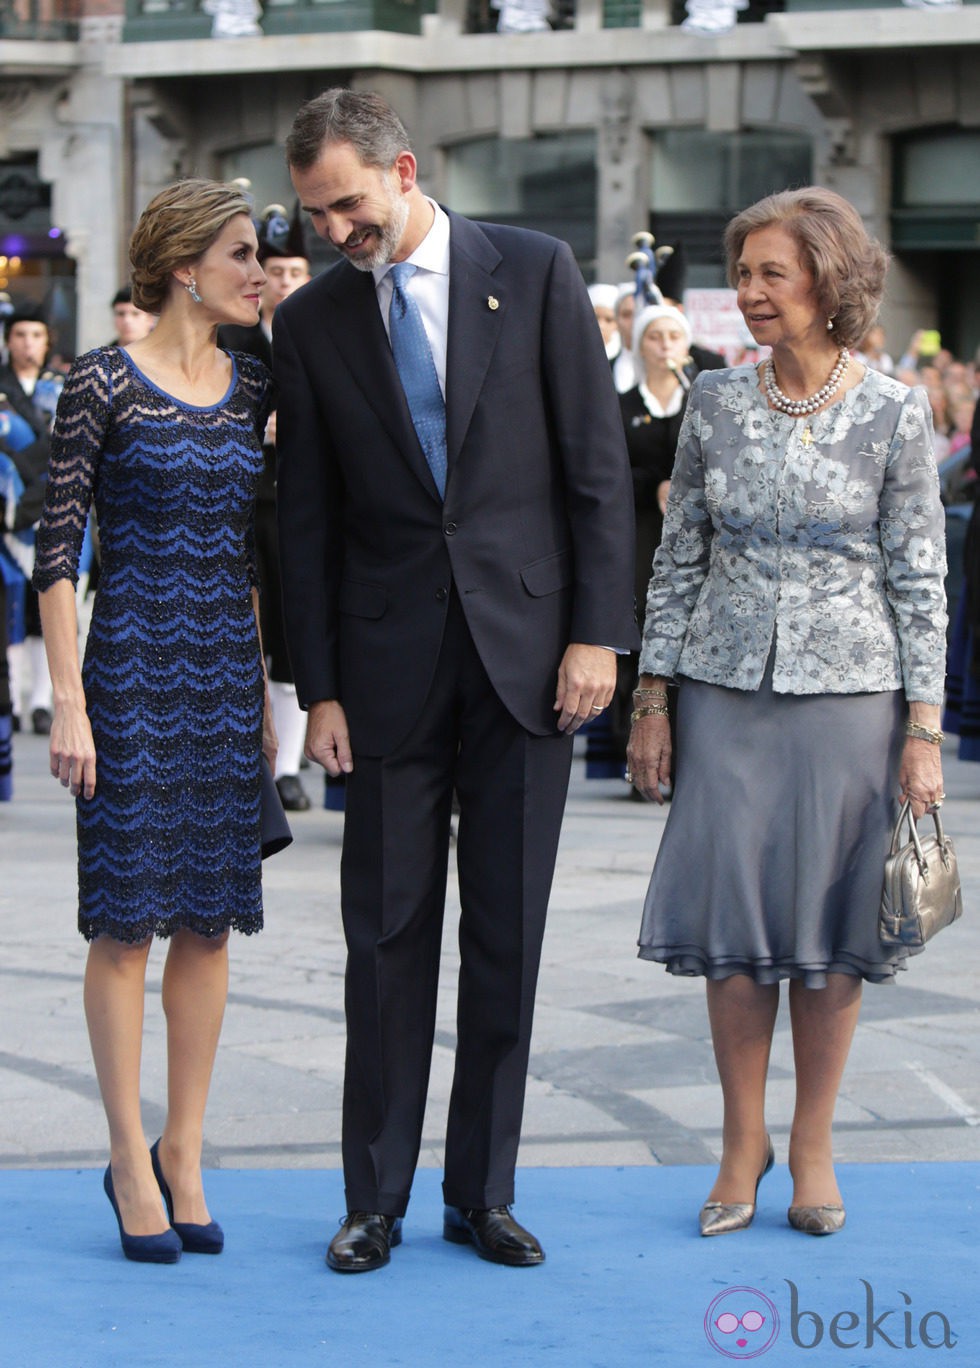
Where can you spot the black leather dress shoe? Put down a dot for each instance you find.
(495, 1233)
(292, 795)
(363, 1242)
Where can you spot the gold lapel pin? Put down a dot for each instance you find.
(493, 302)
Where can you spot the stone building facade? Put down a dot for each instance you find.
(613, 120)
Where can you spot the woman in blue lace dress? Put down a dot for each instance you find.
(797, 600)
(159, 735)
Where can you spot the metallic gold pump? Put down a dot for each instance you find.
(817, 1220)
(720, 1218)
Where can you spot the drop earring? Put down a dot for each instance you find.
(191, 288)
(830, 325)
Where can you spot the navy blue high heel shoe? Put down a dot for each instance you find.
(196, 1239)
(162, 1248)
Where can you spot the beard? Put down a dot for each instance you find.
(387, 236)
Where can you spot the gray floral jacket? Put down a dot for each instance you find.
(825, 535)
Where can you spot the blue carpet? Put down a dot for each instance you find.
(628, 1281)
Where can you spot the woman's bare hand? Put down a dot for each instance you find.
(648, 756)
(72, 750)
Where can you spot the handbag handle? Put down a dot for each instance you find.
(906, 815)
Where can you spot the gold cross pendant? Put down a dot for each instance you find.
(806, 436)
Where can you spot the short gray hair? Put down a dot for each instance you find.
(847, 264)
(360, 118)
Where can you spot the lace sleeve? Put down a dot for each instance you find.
(76, 448)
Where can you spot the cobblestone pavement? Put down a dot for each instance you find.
(621, 1068)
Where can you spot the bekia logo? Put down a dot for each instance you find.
(743, 1323)
(895, 1327)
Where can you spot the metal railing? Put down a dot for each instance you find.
(482, 16)
(148, 20)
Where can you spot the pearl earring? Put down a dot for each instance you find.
(191, 288)
(830, 325)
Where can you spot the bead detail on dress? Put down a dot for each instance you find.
(799, 408)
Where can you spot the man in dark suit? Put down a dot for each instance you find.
(457, 572)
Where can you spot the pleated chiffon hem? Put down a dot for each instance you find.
(772, 856)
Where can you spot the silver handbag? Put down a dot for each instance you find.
(921, 893)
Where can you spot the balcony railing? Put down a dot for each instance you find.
(828, 6)
(176, 19)
(482, 15)
(150, 20)
(47, 20)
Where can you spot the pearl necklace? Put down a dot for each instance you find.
(799, 408)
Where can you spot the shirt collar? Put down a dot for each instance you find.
(432, 253)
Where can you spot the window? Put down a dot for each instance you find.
(693, 169)
(699, 180)
(548, 183)
(937, 168)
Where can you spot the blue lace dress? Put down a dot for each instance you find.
(172, 672)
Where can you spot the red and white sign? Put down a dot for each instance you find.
(717, 324)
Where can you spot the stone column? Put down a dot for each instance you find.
(619, 148)
(81, 158)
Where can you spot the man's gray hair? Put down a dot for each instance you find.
(360, 118)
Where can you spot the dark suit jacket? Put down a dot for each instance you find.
(536, 532)
(252, 340)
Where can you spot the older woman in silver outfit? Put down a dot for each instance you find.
(797, 601)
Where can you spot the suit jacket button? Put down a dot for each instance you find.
(442, 595)
(450, 529)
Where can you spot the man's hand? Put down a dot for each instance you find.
(327, 738)
(586, 681)
(270, 741)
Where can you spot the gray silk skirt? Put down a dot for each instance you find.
(772, 856)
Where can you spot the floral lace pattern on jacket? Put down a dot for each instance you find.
(825, 534)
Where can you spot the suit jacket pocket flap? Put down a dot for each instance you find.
(362, 600)
(549, 574)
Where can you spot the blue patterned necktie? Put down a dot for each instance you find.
(413, 357)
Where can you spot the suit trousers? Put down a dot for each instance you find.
(511, 788)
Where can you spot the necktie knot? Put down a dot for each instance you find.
(401, 273)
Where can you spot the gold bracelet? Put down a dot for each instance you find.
(641, 695)
(651, 710)
(921, 733)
